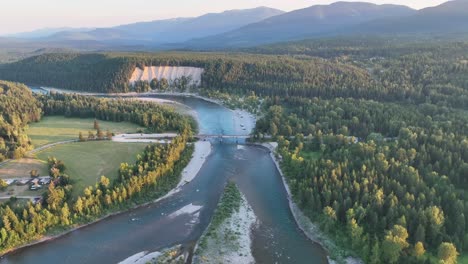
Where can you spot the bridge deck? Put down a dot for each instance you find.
(222, 136)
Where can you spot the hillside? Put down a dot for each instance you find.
(314, 21)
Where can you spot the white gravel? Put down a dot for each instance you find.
(237, 248)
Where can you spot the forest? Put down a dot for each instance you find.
(371, 166)
(388, 168)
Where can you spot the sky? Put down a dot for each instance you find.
(27, 15)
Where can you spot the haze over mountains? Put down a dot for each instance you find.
(263, 25)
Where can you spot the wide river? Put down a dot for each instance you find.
(277, 239)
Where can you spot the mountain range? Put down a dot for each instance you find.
(263, 25)
(169, 30)
(308, 22)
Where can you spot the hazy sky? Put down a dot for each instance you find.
(25, 15)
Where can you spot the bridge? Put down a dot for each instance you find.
(164, 138)
(204, 136)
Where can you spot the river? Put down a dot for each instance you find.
(277, 239)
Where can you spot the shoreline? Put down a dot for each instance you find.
(308, 228)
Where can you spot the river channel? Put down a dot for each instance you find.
(276, 239)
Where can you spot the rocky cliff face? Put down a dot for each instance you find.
(168, 72)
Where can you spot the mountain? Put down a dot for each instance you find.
(45, 32)
(216, 23)
(448, 18)
(314, 21)
(171, 30)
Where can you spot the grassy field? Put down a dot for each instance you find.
(58, 128)
(86, 162)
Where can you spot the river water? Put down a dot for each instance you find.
(276, 239)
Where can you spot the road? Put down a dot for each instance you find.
(20, 197)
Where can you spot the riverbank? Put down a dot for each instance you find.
(228, 241)
(311, 230)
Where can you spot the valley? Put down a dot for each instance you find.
(331, 133)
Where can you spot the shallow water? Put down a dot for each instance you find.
(276, 239)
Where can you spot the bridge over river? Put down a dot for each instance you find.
(161, 138)
(204, 136)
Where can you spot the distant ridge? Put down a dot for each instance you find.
(308, 22)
